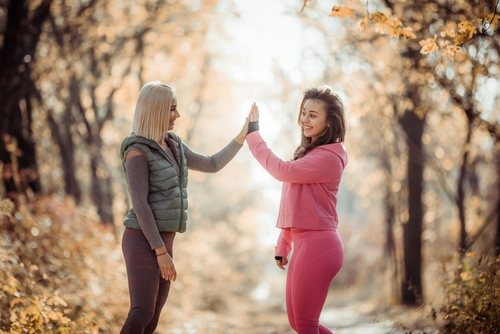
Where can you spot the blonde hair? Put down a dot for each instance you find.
(152, 110)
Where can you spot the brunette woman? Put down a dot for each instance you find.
(307, 216)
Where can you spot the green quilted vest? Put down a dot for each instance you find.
(167, 189)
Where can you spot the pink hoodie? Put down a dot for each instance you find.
(310, 186)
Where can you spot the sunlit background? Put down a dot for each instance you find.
(64, 244)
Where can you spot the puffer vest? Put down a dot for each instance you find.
(167, 195)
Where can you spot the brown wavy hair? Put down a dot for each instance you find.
(335, 116)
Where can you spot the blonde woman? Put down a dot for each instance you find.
(156, 164)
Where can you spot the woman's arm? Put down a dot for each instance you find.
(213, 163)
(283, 248)
(137, 169)
(319, 165)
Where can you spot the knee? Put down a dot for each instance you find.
(136, 321)
(307, 326)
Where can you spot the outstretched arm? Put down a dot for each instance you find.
(214, 163)
(320, 165)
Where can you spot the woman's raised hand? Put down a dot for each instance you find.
(240, 138)
(254, 113)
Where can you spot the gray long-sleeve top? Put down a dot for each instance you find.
(137, 169)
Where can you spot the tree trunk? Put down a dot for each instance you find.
(460, 199)
(390, 219)
(101, 192)
(497, 237)
(17, 55)
(412, 230)
(62, 136)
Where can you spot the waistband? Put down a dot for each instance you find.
(300, 233)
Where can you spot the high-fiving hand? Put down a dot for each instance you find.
(254, 113)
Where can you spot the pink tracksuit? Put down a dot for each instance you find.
(308, 219)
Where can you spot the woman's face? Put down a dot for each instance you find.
(174, 114)
(313, 119)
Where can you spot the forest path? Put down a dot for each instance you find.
(351, 319)
(356, 317)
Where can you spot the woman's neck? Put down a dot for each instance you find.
(163, 143)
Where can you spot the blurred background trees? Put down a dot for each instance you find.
(421, 88)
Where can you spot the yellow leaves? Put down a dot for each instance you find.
(341, 12)
(6, 208)
(428, 45)
(364, 21)
(408, 33)
(11, 286)
(492, 18)
(464, 275)
(466, 31)
(468, 28)
(56, 301)
(451, 50)
(33, 313)
(387, 25)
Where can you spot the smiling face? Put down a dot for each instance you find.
(174, 114)
(313, 119)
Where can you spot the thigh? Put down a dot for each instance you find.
(317, 263)
(142, 270)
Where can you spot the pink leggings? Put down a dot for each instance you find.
(317, 258)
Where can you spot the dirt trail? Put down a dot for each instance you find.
(353, 318)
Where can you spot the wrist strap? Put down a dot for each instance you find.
(253, 126)
(161, 254)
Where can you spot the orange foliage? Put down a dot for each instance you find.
(56, 267)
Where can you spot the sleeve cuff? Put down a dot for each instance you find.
(253, 126)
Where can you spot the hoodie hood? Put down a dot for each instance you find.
(337, 148)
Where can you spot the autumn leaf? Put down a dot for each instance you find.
(448, 33)
(451, 50)
(466, 30)
(408, 33)
(387, 25)
(363, 22)
(428, 45)
(341, 12)
(492, 18)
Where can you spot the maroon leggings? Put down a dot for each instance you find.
(148, 291)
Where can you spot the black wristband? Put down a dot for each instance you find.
(253, 126)
(278, 258)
